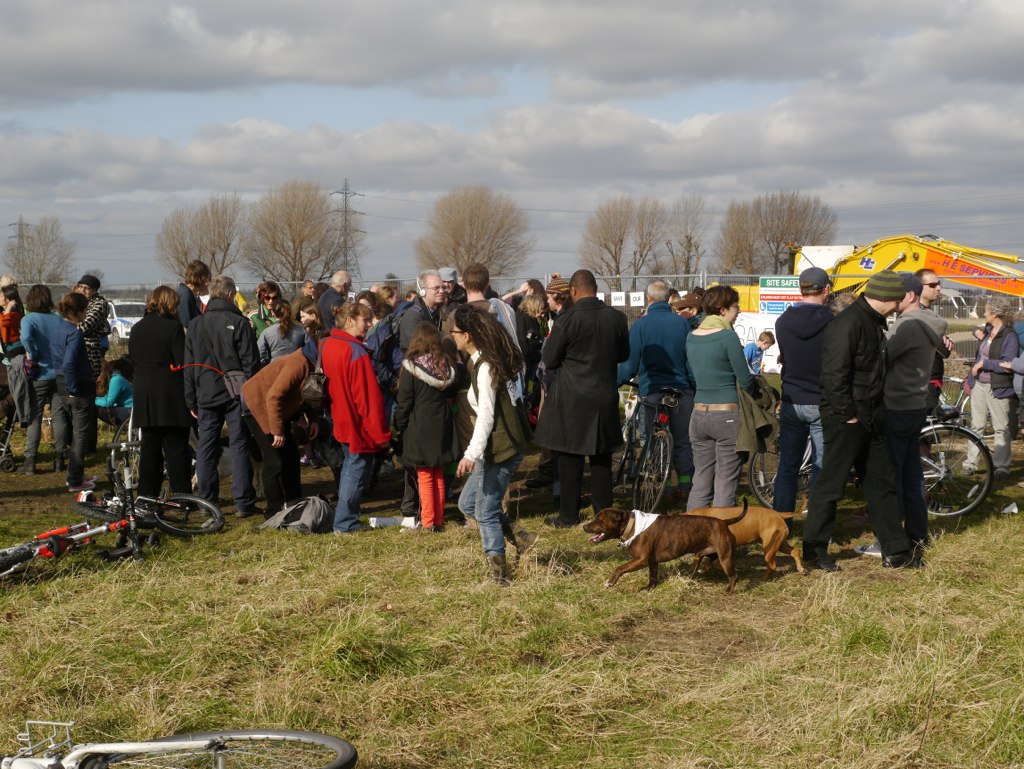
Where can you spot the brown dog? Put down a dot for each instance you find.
(668, 538)
(760, 523)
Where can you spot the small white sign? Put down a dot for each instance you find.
(636, 298)
(618, 298)
(600, 295)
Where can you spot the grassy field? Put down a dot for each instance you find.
(394, 641)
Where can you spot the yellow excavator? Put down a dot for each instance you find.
(851, 266)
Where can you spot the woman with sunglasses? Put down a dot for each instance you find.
(492, 453)
(268, 293)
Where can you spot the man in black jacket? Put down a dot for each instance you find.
(219, 340)
(853, 423)
(580, 417)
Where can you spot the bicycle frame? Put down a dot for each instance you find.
(56, 542)
(59, 737)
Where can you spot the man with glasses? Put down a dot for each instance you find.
(425, 308)
(931, 292)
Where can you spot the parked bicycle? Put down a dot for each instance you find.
(48, 745)
(953, 485)
(646, 459)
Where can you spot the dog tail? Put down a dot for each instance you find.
(739, 517)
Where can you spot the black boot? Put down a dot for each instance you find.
(59, 463)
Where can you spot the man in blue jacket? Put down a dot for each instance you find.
(657, 352)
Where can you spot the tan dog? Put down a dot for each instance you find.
(760, 523)
(667, 538)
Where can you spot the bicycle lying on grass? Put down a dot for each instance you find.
(180, 515)
(48, 745)
(956, 462)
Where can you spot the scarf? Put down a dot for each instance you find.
(715, 321)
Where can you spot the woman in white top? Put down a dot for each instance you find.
(493, 454)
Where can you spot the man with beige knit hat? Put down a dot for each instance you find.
(853, 424)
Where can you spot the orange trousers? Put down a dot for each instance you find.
(431, 486)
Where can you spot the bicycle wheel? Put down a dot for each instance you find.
(183, 515)
(653, 472)
(248, 749)
(761, 472)
(106, 509)
(125, 452)
(625, 464)
(957, 469)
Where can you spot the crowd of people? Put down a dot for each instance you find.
(446, 380)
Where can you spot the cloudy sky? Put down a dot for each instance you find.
(903, 115)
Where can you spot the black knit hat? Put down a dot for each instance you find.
(91, 281)
(885, 286)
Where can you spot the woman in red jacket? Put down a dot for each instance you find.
(357, 408)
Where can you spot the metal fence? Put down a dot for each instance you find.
(962, 299)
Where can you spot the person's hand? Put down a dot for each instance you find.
(465, 467)
(976, 368)
(948, 342)
(314, 430)
(524, 288)
(852, 421)
(277, 442)
(194, 413)
(1005, 365)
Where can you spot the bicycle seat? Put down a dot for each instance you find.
(947, 413)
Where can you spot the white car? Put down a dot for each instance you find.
(122, 315)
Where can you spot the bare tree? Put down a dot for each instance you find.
(788, 218)
(688, 226)
(175, 246)
(757, 237)
(219, 227)
(476, 224)
(738, 241)
(624, 237)
(294, 234)
(212, 232)
(39, 253)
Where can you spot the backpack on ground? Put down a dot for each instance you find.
(308, 515)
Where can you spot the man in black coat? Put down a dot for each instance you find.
(580, 417)
(853, 424)
(221, 339)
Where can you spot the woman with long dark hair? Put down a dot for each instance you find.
(157, 351)
(492, 452)
(36, 328)
(283, 337)
(114, 391)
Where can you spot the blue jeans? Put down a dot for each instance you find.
(795, 425)
(354, 471)
(481, 500)
(211, 420)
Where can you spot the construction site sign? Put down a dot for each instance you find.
(778, 293)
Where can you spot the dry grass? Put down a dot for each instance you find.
(394, 641)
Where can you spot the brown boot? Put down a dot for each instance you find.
(497, 570)
(522, 539)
